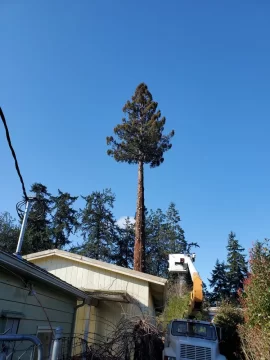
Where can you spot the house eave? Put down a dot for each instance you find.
(21, 267)
(98, 264)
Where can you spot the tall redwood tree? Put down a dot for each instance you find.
(140, 140)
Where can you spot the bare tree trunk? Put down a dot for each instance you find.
(139, 246)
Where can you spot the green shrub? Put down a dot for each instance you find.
(177, 304)
(255, 300)
(176, 307)
(229, 317)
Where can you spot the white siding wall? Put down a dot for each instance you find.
(90, 277)
(85, 276)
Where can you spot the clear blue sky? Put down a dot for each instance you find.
(68, 67)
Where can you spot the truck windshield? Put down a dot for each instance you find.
(204, 331)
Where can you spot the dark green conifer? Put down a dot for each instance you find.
(140, 140)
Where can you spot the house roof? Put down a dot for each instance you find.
(25, 269)
(98, 264)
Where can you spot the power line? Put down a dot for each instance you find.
(13, 154)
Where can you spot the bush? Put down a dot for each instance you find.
(255, 343)
(256, 295)
(229, 317)
(177, 304)
(255, 299)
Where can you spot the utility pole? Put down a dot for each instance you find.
(28, 207)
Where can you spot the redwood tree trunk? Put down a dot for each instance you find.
(139, 246)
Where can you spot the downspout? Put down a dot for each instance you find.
(86, 325)
(87, 322)
(73, 325)
(90, 301)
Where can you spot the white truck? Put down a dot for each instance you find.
(191, 340)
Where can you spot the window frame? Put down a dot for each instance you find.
(43, 330)
(14, 330)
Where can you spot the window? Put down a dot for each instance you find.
(45, 335)
(9, 321)
(200, 330)
(9, 326)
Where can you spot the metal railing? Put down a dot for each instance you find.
(7, 350)
(9, 342)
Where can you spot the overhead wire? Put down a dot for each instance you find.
(13, 154)
(20, 207)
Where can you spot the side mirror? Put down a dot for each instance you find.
(219, 333)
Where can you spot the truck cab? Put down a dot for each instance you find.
(191, 340)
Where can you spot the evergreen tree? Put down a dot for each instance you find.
(9, 233)
(140, 140)
(38, 229)
(175, 234)
(164, 236)
(156, 244)
(64, 219)
(206, 295)
(98, 226)
(219, 282)
(236, 264)
(125, 244)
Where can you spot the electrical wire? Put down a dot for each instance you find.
(21, 204)
(20, 208)
(39, 208)
(13, 154)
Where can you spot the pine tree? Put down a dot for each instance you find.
(140, 140)
(219, 282)
(98, 226)
(164, 236)
(176, 235)
(156, 244)
(236, 264)
(124, 244)
(37, 234)
(64, 219)
(206, 295)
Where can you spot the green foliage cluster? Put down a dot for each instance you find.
(255, 300)
(246, 322)
(228, 278)
(229, 317)
(140, 139)
(97, 225)
(219, 282)
(9, 232)
(51, 221)
(177, 305)
(164, 236)
(227, 282)
(255, 342)
(54, 218)
(237, 267)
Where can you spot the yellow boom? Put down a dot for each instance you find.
(182, 264)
